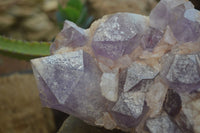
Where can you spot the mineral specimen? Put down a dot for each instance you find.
(128, 71)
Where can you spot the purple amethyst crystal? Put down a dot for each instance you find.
(118, 35)
(128, 71)
(180, 15)
(151, 38)
(137, 72)
(181, 72)
(184, 27)
(62, 73)
(162, 124)
(71, 36)
(159, 16)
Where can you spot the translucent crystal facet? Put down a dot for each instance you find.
(70, 36)
(151, 38)
(180, 16)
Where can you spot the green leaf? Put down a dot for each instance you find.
(88, 22)
(72, 13)
(32, 49)
(82, 17)
(77, 4)
(74, 125)
(76, 12)
(60, 16)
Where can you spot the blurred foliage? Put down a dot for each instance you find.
(76, 12)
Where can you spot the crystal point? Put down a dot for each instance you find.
(119, 35)
(71, 36)
(61, 72)
(162, 124)
(136, 73)
(128, 71)
(183, 73)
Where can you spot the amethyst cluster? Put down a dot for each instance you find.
(128, 71)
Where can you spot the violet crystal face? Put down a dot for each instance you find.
(128, 71)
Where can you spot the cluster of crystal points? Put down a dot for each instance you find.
(128, 71)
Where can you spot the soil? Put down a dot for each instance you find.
(20, 107)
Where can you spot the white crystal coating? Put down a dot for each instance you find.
(109, 86)
(137, 72)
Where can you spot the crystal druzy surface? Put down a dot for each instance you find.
(128, 71)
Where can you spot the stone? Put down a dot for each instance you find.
(17, 13)
(39, 26)
(32, 23)
(6, 21)
(50, 5)
(100, 8)
(128, 71)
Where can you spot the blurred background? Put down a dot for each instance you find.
(41, 20)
